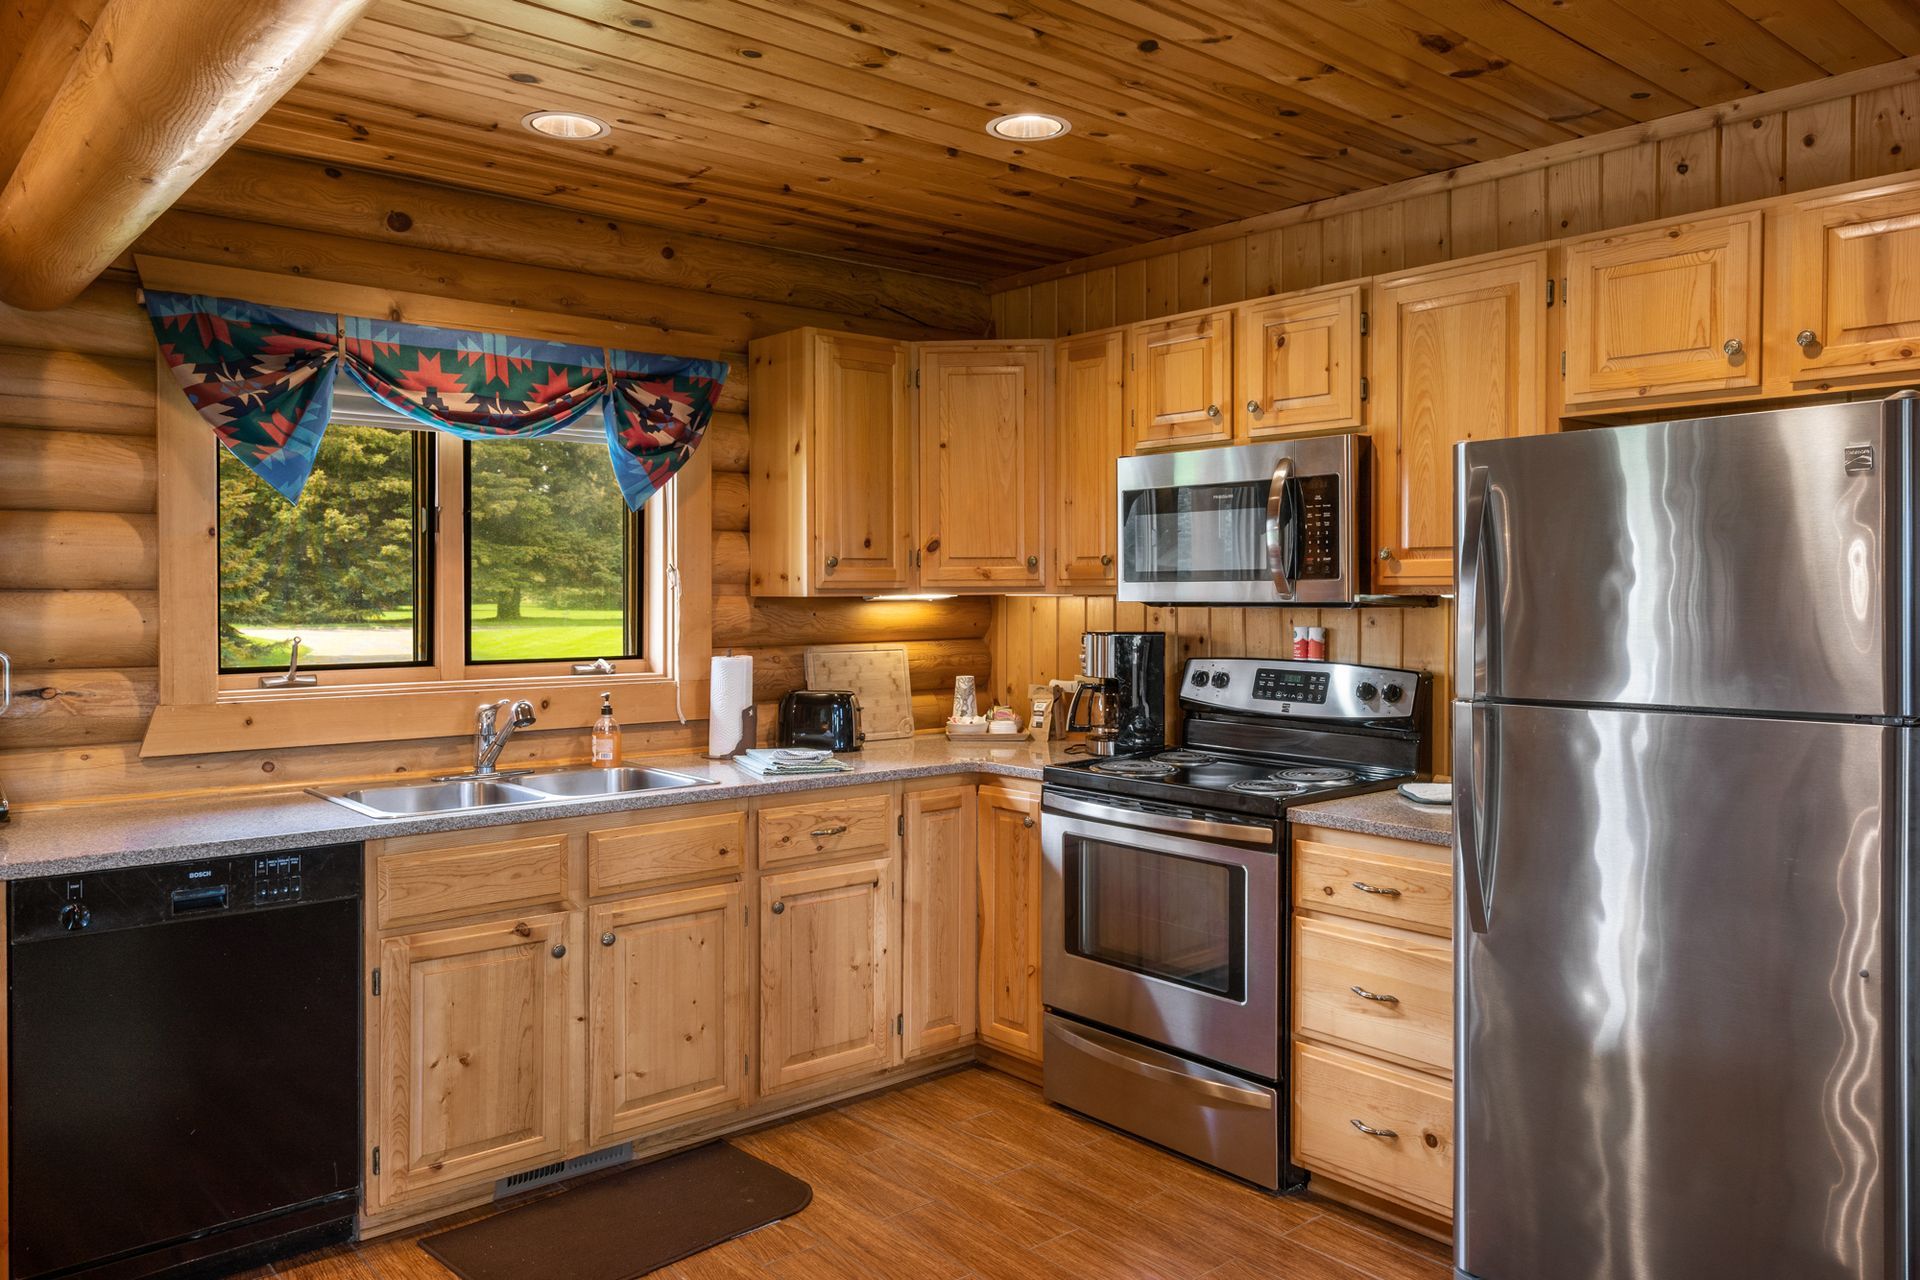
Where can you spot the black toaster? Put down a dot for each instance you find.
(828, 719)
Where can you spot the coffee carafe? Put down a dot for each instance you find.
(1123, 692)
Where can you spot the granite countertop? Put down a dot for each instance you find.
(99, 836)
(1380, 813)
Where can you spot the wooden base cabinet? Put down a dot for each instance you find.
(668, 1009)
(476, 1069)
(939, 946)
(1010, 870)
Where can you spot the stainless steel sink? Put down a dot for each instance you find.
(461, 796)
(622, 781)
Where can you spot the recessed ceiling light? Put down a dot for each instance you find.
(570, 125)
(1028, 126)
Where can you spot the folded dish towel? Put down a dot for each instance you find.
(789, 761)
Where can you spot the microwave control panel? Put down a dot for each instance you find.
(1319, 526)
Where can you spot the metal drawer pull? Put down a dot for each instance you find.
(821, 833)
(1372, 1132)
(1365, 994)
(1364, 887)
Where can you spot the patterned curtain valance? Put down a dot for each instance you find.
(264, 378)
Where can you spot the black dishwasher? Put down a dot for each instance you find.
(184, 1066)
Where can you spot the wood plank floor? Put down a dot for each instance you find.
(973, 1176)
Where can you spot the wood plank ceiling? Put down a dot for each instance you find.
(854, 128)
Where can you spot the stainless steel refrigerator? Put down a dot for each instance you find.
(1683, 770)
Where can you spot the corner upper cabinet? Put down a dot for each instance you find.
(982, 463)
(830, 461)
(1460, 353)
(1852, 265)
(1668, 311)
(1297, 363)
(1089, 421)
(1180, 382)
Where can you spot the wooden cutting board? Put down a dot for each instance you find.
(877, 674)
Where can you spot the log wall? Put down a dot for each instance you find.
(78, 543)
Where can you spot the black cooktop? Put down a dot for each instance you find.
(1231, 783)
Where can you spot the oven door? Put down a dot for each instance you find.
(1166, 927)
(1255, 524)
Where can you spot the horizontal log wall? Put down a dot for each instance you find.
(1739, 153)
(78, 468)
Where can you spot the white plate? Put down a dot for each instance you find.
(1433, 793)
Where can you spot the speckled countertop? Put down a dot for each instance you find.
(95, 837)
(1380, 813)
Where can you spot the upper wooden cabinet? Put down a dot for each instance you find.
(1460, 354)
(1297, 364)
(830, 461)
(1669, 311)
(1089, 421)
(1852, 309)
(982, 463)
(1180, 382)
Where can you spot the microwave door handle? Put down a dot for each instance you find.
(1281, 512)
(1476, 800)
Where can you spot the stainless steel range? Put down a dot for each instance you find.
(1166, 899)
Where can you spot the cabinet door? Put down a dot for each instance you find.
(667, 1001)
(1298, 363)
(982, 463)
(1010, 920)
(938, 980)
(1460, 354)
(1180, 382)
(475, 1061)
(1089, 428)
(859, 491)
(1853, 267)
(829, 976)
(1670, 311)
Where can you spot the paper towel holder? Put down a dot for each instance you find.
(749, 733)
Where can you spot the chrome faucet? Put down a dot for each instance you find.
(489, 740)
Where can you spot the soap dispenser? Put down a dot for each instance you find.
(606, 735)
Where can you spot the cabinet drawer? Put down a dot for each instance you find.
(1406, 1013)
(837, 827)
(628, 858)
(470, 880)
(1413, 893)
(1408, 1157)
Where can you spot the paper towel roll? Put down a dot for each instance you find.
(731, 700)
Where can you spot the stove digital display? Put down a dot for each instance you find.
(1272, 684)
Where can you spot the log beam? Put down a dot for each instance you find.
(160, 90)
(45, 55)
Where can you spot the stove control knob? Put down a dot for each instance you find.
(1394, 693)
(1366, 692)
(74, 917)
(1220, 679)
(1199, 679)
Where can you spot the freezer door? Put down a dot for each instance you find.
(1751, 563)
(1679, 984)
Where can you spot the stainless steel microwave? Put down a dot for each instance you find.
(1276, 523)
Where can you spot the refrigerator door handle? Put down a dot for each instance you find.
(1476, 772)
(1474, 624)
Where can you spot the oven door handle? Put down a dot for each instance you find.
(1252, 1098)
(1159, 821)
(1283, 515)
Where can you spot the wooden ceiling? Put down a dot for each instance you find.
(854, 128)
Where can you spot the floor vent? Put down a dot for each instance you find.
(560, 1171)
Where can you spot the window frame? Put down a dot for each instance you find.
(202, 711)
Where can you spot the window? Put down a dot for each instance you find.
(554, 558)
(346, 571)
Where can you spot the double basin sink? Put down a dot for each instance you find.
(467, 795)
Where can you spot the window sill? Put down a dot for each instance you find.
(329, 715)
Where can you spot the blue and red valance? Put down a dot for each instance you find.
(264, 378)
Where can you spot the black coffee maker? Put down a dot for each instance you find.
(1123, 691)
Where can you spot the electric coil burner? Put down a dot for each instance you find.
(1165, 900)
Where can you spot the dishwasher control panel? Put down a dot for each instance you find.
(134, 897)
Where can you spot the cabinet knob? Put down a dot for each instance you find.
(833, 562)
(1805, 338)
(559, 950)
(779, 908)
(606, 939)
(1033, 563)
(1733, 347)
(1106, 562)
(1253, 407)
(1385, 554)
(1026, 822)
(1213, 411)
